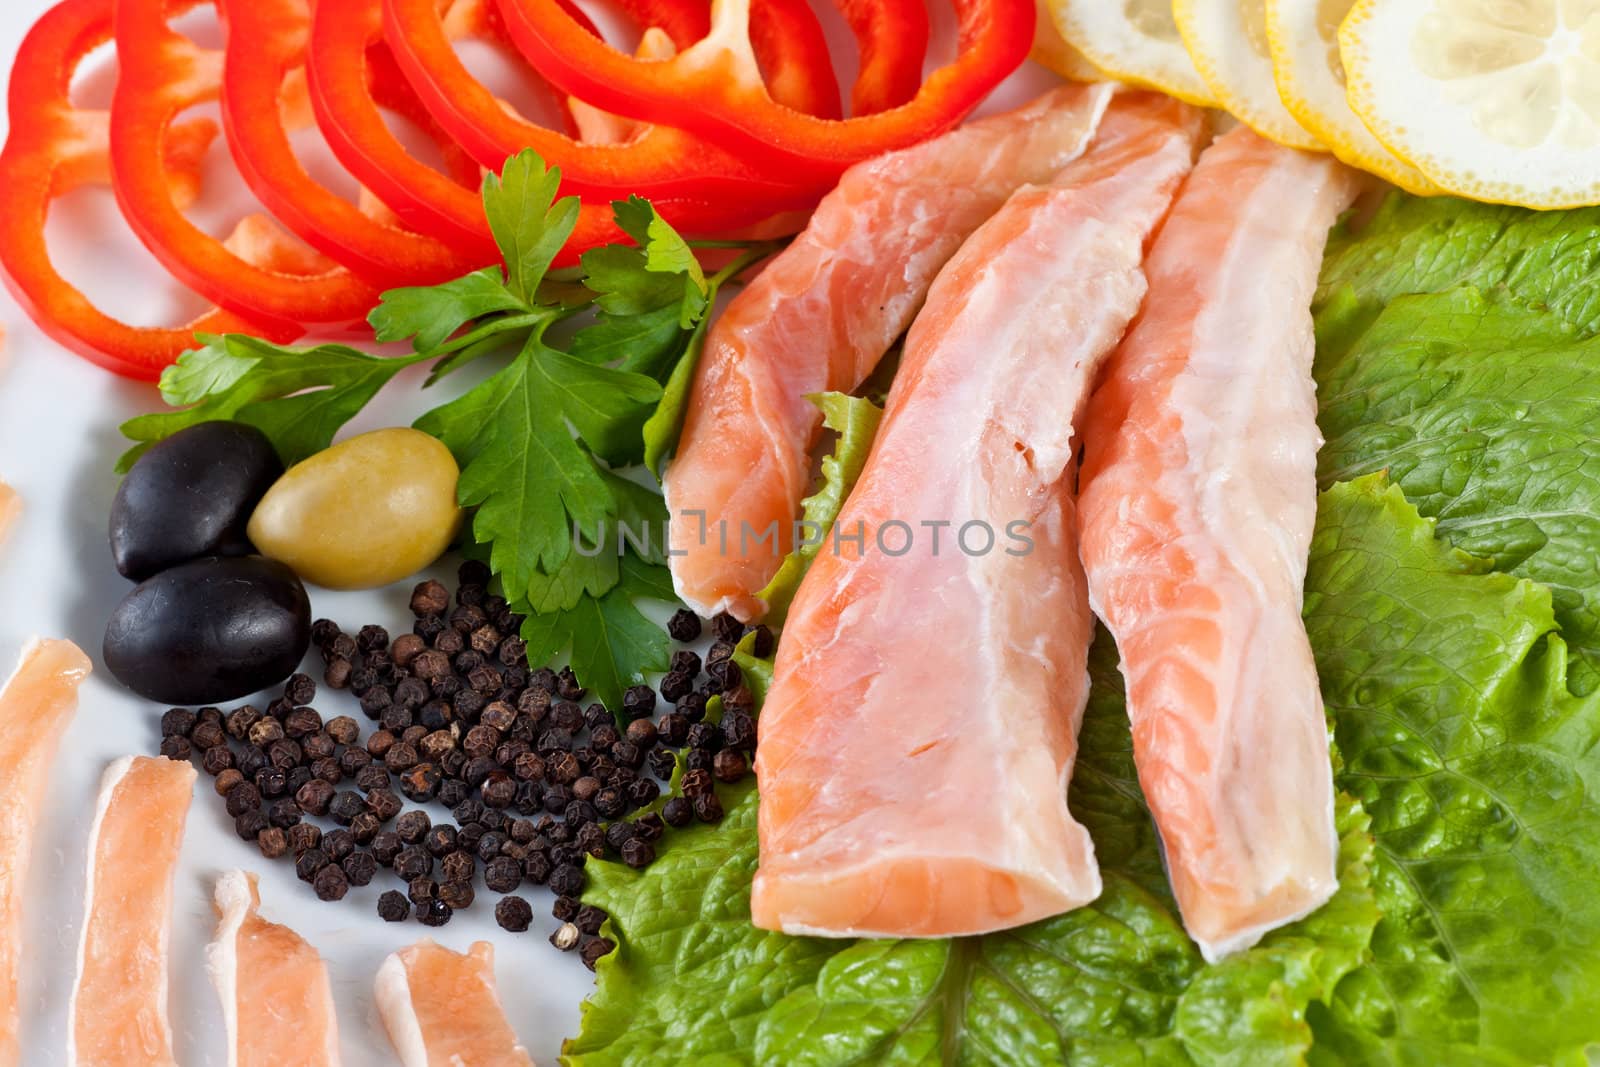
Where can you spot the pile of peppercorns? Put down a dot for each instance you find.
(535, 783)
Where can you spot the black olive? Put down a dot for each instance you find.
(191, 496)
(210, 631)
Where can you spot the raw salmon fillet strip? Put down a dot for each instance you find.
(820, 317)
(36, 706)
(276, 999)
(442, 1010)
(119, 1004)
(921, 729)
(1198, 499)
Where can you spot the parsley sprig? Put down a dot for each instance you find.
(545, 441)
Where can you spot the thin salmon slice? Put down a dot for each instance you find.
(820, 317)
(442, 1010)
(921, 729)
(36, 706)
(119, 1004)
(276, 999)
(10, 510)
(1198, 500)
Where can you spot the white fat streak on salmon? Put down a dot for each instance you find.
(465, 1025)
(149, 1007)
(31, 727)
(980, 426)
(1242, 794)
(304, 1012)
(821, 316)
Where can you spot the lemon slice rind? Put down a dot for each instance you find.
(1053, 53)
(1314, 95)
(1239, 77)
(1103, 31)
(1429, 122)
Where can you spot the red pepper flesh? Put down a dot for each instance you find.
(266, 45)
(162, 73)
(55, 147)
(710, 189)
(706, 91)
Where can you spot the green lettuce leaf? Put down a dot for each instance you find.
(694, 982)
(1457, 350)
(1447, 685)
(855, 420)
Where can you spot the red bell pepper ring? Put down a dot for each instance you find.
(708, 91)
(266, 44)
(55, 147)
(711, 189)
(892, 37)
(162, 73)
(352, 76)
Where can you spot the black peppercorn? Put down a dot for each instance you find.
(610, 803)
(441, 840)
(594, 949)
(489, 845)
(250, 824)
(578, 812)
(393, 907)
(421, 890)
(677, 812)
(696, 783)
(453, 791)
(302, 722)
(272, 781)
(430, 598)
(738, 698)
(359, 867)
(395, 718)
(642, 791)
(698, 759)
(327, 770)
(330, 883)
(318, 746)
(693, 706)
(227, 782)
(567, 685)
(338, 844)
(298, 776)
(273, 842)
(707, 808)
(177, 722)
(176, 748)
(412, 863)
(242, 798)
(401, 756)
(369, 638)
(536, 867)
(457, 866)
(421, 782)
(216, 760)
(384, 804)
(676, 685)
(385, 847)
(309, 862)
(345, 806)
(412, 826)
(591, 840)
(589, 919)
(353, 759)
(514, 914)
(684, 625)
(304, 837)
(283, 813)
(337, 675)
(365, 827)
(458, 895)
(627, 754)
(650, 826)
(765, 642)
(570, 855)
(565, 908)
(685, 662)
(435, 913)
(567, 880)
(566, 937)
(284, 754)
(638, 853)
(372, 776)
(729, 765)
(620, 833)
(265, 732)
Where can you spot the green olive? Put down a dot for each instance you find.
(366, 512)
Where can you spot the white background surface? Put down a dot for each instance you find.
(58, 441)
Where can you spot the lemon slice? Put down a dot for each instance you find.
(1227, 42)
(1133, 40)
(1053, 53)
(1304, 35)
(1495, 100)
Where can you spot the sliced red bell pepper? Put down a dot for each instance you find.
(892, 37)
(701, 188)
(162, 73)
(707, 91)
(353, 78)
(55, 147)
(266, 44)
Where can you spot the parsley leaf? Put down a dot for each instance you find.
(612, 644)
(299, 397)
(431, 314)
(527, 220)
